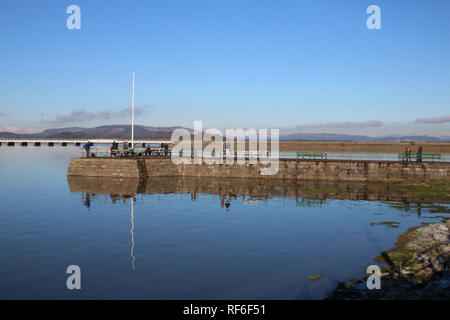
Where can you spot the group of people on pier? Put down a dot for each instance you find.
(418, 154)
(162, 146)
(114, 149)
(164, 149)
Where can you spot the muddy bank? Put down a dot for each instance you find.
(349, 146)
(395, 147)
(417, 268)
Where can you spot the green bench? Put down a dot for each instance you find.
(414, 156)
(311, 155)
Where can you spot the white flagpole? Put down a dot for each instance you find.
(132, 117)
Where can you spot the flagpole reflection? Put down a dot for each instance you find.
(132, 234)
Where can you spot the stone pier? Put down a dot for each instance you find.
(290, 169)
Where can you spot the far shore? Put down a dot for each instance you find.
(322, 146)
(348, 146)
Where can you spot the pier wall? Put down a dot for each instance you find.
(255, 188)
(101, 167)
(291, 169)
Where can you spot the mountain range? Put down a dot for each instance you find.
(361, 138)
(147, 132)
(107, 132)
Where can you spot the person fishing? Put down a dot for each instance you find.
(148, 151)
(114, 148)
(87, 147)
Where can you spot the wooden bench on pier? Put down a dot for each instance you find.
(311, 155)
(156, 152)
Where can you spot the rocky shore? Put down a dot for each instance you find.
(417, 268)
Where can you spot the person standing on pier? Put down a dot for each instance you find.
(408, 154)
(114, 149)
(419, 154)
(87, 147)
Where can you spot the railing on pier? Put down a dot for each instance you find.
(419, 156)
(103, 152)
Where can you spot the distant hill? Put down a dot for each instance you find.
(146, 132)
(359, 138)
(7, 135)
(110, 131)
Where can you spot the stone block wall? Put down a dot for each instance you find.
(103, 167)
(291, 169)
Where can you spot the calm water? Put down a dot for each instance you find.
(172, 242)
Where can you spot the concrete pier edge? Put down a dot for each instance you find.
(290, 169)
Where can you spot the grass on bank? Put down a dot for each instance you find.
(425, 191)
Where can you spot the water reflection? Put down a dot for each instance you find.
(133, 259)
(86, 199)
(419, 207)
(274, 236)
(306, 193)
(225, 199)
(310, 202)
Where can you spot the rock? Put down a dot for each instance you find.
(446, 248)
(439, 262)
(406, 272)
(355, 281)
(418, 267)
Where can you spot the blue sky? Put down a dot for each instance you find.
(310, 66)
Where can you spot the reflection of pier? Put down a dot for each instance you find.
(119, 188)
(311, 203)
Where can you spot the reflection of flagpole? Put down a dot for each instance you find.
(132, 234)
(132, 117)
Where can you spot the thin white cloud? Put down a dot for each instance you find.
(436, 120)
(82, 115)
(342, 125)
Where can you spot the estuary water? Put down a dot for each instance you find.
(173, 238)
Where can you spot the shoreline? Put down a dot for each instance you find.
(418, 267)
